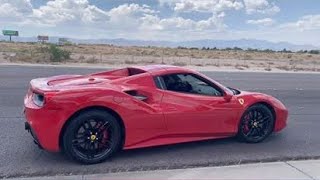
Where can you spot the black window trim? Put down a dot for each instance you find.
(163, 86)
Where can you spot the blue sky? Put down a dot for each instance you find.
(293, 21)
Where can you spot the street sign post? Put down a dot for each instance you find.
(10, 33)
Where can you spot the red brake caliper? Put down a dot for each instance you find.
(105, 138)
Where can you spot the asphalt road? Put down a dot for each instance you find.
(299, 92)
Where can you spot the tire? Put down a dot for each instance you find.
(92, 137)
(256, 124)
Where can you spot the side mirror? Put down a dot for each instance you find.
(228, 96)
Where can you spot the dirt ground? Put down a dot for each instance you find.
(120, 55)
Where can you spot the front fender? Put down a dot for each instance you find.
(248, 99)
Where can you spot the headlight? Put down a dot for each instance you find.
(38, 99)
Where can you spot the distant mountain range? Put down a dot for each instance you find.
(241, 43)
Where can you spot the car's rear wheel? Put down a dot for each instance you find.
(92, 137)
(256, 124)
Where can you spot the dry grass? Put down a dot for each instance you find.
(241, 66)
(109, 54)
(286, 68)
(268, 69)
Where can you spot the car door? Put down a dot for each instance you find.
(191, 104)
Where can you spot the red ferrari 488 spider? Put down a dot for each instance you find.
(90, 117)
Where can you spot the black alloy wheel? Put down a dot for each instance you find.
(257, 123)
(92, 137)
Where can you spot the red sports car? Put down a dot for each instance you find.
(90, 117)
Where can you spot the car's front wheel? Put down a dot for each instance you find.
(256, 124)
(92, 136)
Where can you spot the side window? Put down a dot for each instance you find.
(159, 82)
(189, 83)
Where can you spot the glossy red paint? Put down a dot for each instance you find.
(166, 117)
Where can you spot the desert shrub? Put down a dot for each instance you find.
(252, 50)
(217, 64)
(245, 65)
(285, 51)
(268, 51)
(286, 68)
(314, 51)
(92, 60)
(194, 48)
(199, 64)
(150, 61)
(302, 51)
(179, 64)
(205, 48)
(130, 62)
(181, 47)
(67, 43)
(57, 54)
(227, 64)
(238, 66)
(81, 57)
(248, 57)
(237, 49)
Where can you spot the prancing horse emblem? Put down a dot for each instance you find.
(241, 101)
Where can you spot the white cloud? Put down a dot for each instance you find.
(263, 22)
(215, 6)
(190, 20)
(215, 22)
(137, 17)
(132, 10)
(67, 11)
(129, 16)
(260, 6)
(10, 9)
(81, 14)
(177, 23)
(126, 18)
(6, 9)
(309, 22)
(150, 22)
